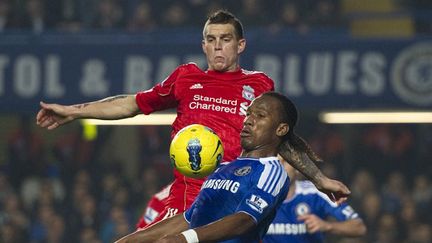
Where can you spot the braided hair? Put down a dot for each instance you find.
(295, 144)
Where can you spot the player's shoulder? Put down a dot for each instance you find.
(221, 166)
(305, 187)
(250, 72)
(259, 74)
(258, 165)
(272, 160)
(271, 166)
(263, 161)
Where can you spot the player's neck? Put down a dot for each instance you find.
(260, 152)
(235, 70)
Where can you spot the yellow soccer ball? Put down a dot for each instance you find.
(196, 151)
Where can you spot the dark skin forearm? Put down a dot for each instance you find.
(353, 228)
(334, 189)
(170, 226)
(169, 230)
(302, 163)
(226, 228)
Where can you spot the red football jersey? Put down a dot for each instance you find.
(215, 99)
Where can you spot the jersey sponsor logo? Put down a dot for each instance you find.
(221, 184)
(196, 86)
(243, 108)
(302, 209)
(243, 171)
(286, 229)
(257, 203)
(248, 92)
(219, 104)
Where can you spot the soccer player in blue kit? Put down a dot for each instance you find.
(302, 217)
(238, 202)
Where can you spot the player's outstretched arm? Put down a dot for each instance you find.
(171, 226)
(51, 116)
(226, 228)
(351, 227)
(336, 190)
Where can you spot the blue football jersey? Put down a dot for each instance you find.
(254, 186)
(307, 199)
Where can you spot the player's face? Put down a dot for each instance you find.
(222, 48)
(262, 129)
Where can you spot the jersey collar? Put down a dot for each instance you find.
(266, 158)
(236, 73)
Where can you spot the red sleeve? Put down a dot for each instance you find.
(155, 207)
(267, 84)
(152, 211)
(161, 96)
(270, 82)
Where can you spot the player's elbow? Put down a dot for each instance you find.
(245, 223)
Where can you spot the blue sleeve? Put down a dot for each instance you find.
(341, 212)
(266, 193)
(188, 213)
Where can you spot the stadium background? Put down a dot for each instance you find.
(86, 184)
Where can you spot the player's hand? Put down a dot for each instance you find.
(314, 223)
(335, 190)
(51, 116)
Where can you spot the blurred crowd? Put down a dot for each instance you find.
(66, 189)
(296, 16)
(146, 15)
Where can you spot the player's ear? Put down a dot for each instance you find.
(282, 129)
(241, 45)
(203, 46)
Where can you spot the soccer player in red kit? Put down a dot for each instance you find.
(217, 98)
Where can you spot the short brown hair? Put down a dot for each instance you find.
(226, 17)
